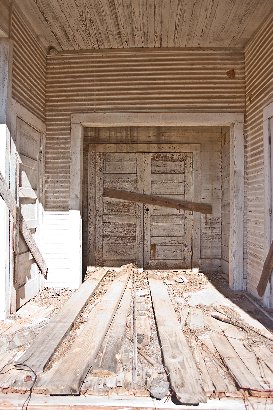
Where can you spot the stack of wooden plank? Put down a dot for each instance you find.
(216, 358)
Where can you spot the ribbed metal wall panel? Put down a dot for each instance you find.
(29, 67)
(259, 92)
(142, 81)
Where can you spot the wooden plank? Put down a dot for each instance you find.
(72, 368)
(155, 200)
(266, 272)
(43, 347)
(16, 214)
(115, 336)
(34, 250)
(241, 373)
(183, 373)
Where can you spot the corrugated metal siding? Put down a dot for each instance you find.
(143, 81)
(29, 68)
(259, 92)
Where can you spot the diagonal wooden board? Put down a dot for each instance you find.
(67, 376)
(183, 374)
(7, 196)
(157, 200)
(43, 347)
(266, 272)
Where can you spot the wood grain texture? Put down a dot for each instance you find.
(24, 229)
(73, 367)
(45, 344)
(157, 200)
(266, 272)
(183, 373)
(82, 24)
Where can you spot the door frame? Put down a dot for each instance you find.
(268, 193)
(235, 121)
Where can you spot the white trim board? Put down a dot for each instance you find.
(236, 123)
(268, 193)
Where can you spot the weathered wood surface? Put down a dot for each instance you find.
(183, 373)
(266, 272)
(27, 235)
(46, 343)
(112, 345)
(69, 373)
(149, 24)
(240, 371)
(159, 201)
(7, 196)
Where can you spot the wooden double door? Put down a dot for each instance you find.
(119, 231)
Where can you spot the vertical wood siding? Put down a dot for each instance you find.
(29, 67)
(259, 92)
(143, 81)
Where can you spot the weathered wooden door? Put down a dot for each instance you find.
(152, 236)
(29, 143)
(167, 231)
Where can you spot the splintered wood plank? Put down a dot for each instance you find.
(67, 376)
(183, 373)
(45, 344)
(156, 200)
(266, 272)
(240, 372)
(115, 336)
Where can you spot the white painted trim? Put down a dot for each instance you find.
(233, 120)
(236, 238)
(268, 194)
(156, 119)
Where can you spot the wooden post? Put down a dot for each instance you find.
(75, 206)
(236, 240)
(5, 254)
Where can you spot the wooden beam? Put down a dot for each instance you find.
(7, 196)
(178, 359)
(45, 344)
(67, 376)
(266, 272)
(157, 200)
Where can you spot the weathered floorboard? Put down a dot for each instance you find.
(157, 200)
(241, 373)
(116, 334)
(72, 368)
(183, 373)
(43, 347)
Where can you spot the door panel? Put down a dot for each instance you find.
(168, 233)
(29, 143)
(118, 229)
(121, 232)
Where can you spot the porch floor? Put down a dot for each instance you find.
(178, 336)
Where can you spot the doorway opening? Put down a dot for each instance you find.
(182, 163)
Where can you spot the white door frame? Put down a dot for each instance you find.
(236, 123)
(268, 193)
